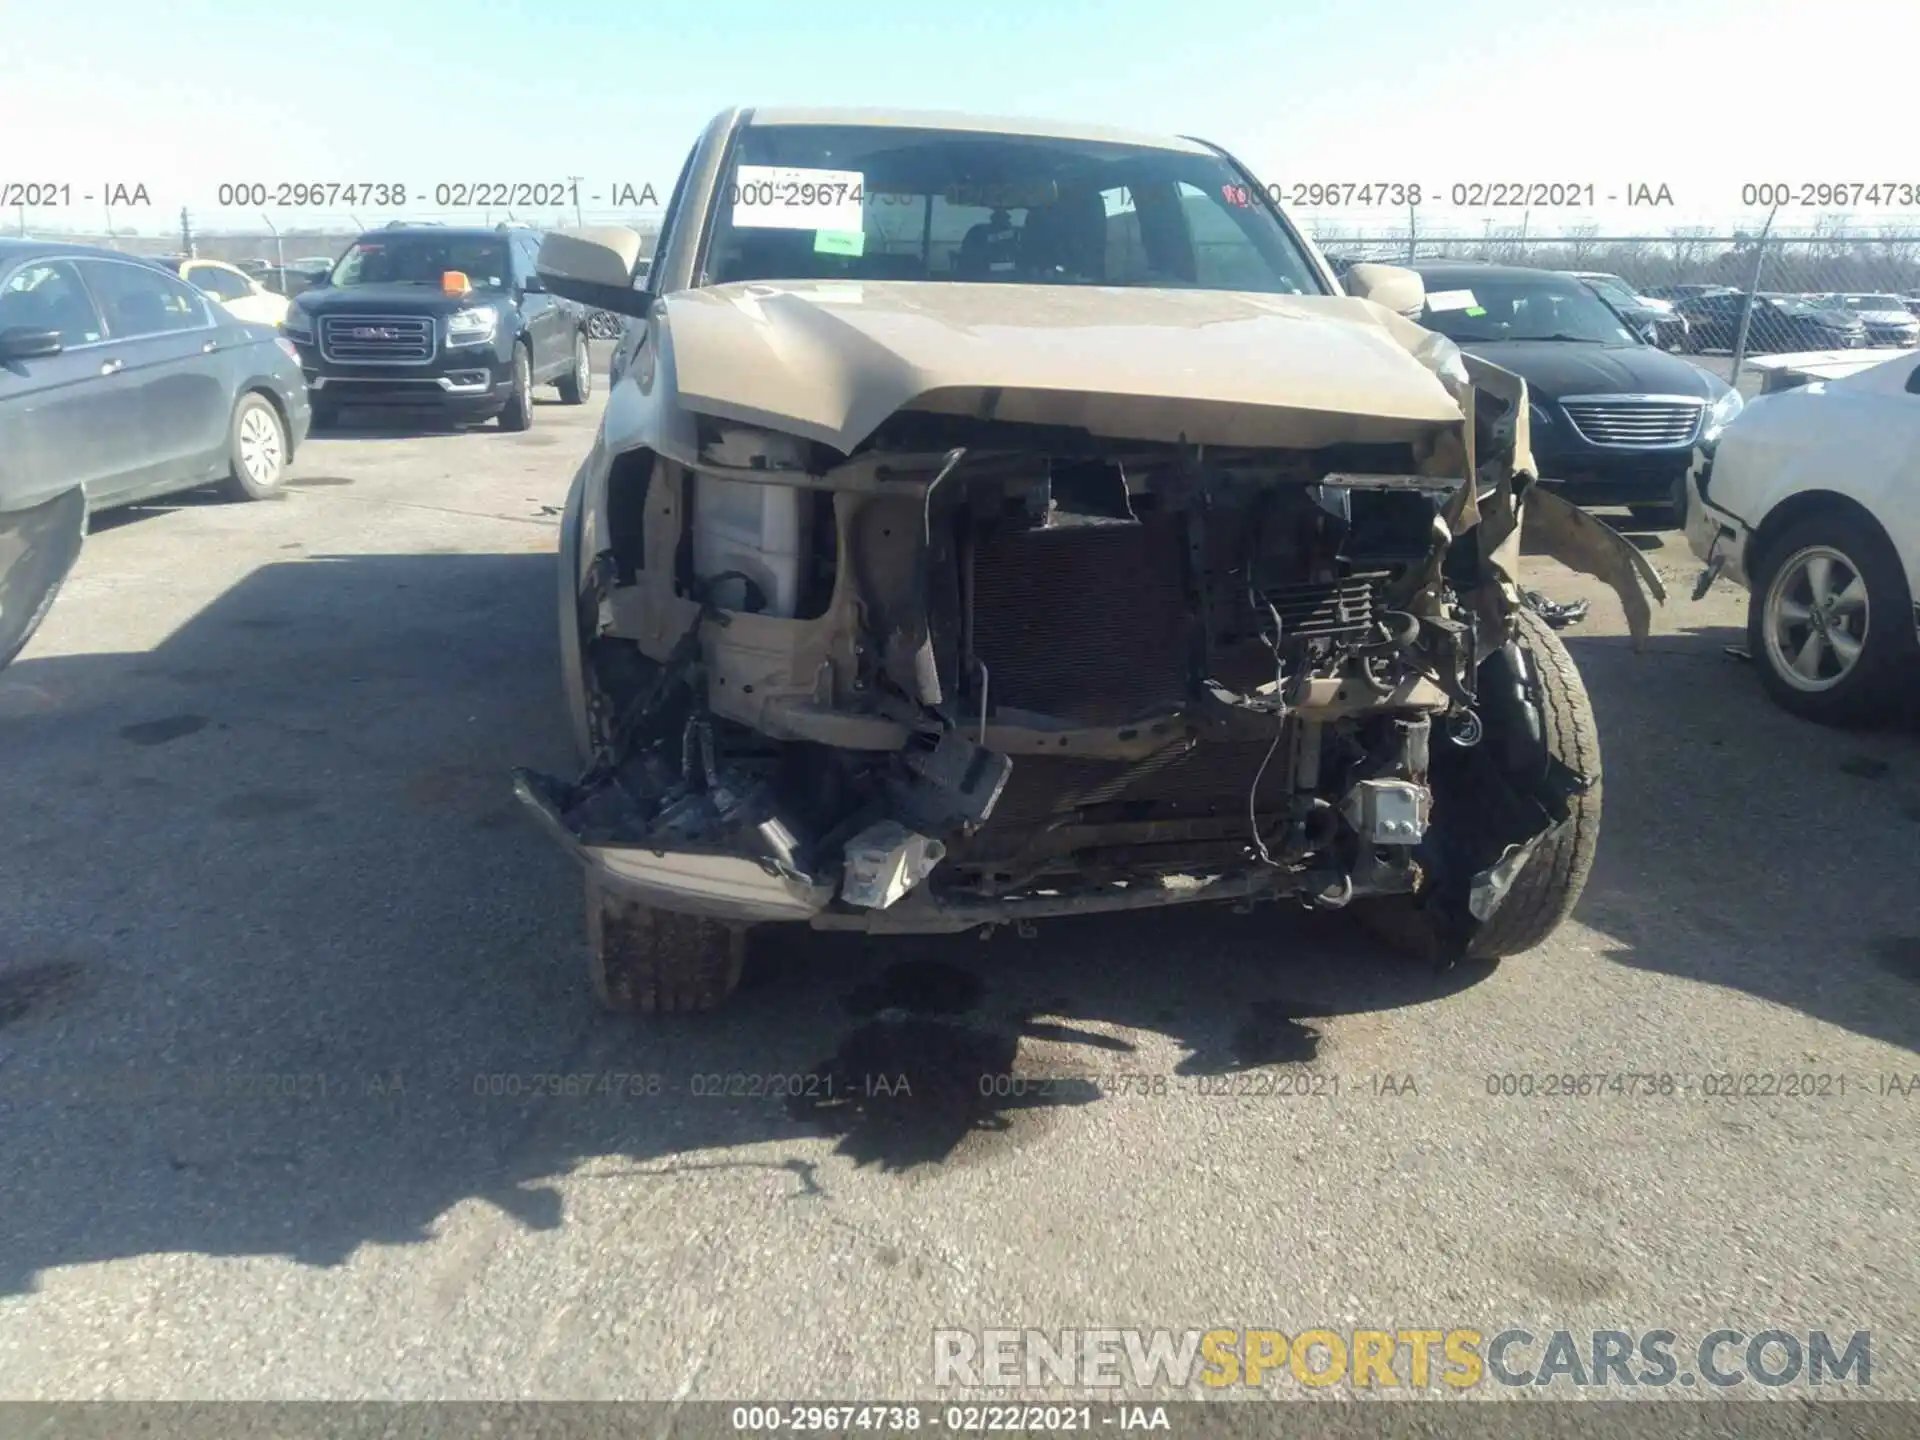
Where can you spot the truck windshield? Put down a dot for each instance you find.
(820, 202)
(423, 259)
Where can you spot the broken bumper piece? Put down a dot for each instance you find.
(885, 861)
(715, 880)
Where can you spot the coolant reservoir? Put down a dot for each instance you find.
(759, 530)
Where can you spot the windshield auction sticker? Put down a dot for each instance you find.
(780, 197)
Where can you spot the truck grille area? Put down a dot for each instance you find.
(1085, 622)
(1637, 424)
(377, 339)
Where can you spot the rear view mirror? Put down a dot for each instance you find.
(21, 342)
(595, 266)
(1398, 289)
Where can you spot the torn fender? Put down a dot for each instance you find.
(38, 547)
(1559, 528)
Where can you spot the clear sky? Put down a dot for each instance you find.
(1700, 95)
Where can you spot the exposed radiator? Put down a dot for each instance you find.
(1085, 622)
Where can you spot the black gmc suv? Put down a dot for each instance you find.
(443, 318)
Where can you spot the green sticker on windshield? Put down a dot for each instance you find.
(840, 242)
(1476, 309)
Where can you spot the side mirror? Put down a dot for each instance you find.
(22, 342)
(1650, 333)
(1398, 289)
(595, 266)
(533, 285)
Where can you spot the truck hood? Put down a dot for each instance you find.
(831, 361)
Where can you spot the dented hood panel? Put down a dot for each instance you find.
(831, 361)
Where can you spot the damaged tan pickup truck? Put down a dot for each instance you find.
(996, 521)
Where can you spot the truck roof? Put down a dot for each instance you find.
(968, 121)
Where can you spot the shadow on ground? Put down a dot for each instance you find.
(101, 521)
(395, 422)
(285, 972)
(1777, 849)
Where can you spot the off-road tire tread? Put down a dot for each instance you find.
(1549, 885)
(647, 961)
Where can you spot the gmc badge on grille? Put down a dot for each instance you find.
(369, 332)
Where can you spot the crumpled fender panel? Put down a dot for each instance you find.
(1563, 530)
(1517, 511)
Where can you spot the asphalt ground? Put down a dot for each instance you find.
(283, 974)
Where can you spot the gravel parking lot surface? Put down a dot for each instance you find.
(282, 969)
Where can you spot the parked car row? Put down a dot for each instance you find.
(1780, 322)
(124, 378)
(120, 382)
(1655, 319)
(1888, 319)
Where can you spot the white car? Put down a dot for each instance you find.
(239, 293)
(1808, 500)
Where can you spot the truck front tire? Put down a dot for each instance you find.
(1549, 884)
(647, 961)
(1487, 799)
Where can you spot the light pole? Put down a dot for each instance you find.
(1746, 310)
(573, 183)
(279, 250)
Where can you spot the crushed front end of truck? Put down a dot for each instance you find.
(992, 665)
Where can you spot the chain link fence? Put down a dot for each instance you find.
(1725, 300)
(1722, 297)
